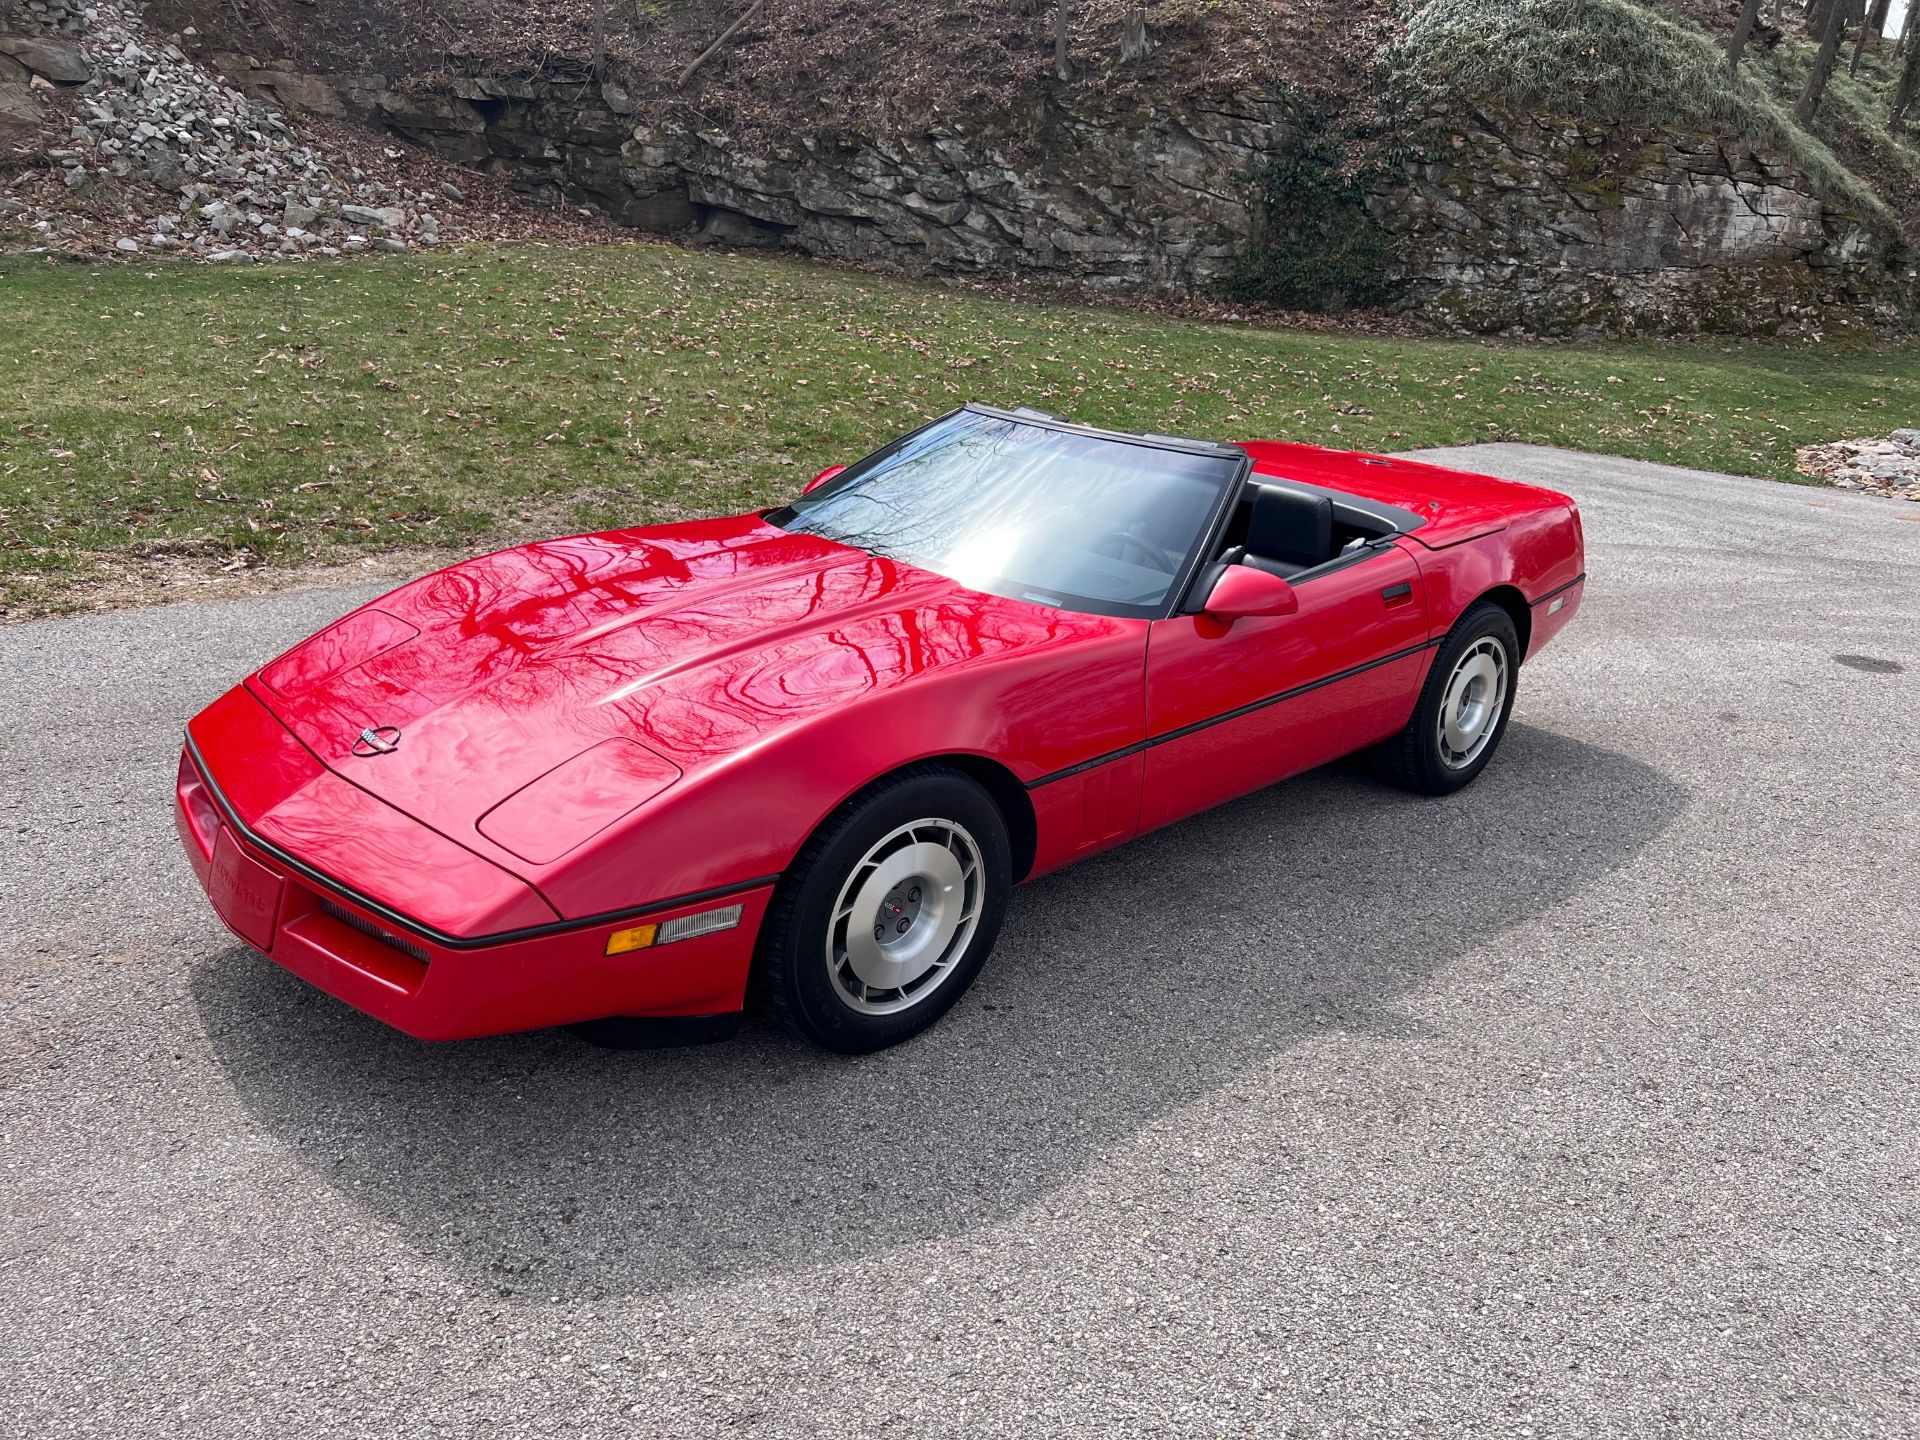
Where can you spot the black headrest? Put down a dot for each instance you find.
(1290, 525)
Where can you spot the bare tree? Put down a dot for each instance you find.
(715, 48)
(1742, 32)
(1823, 63)
(1820, 11)
(1134, 43)
(599, 39)
(1875, 26)
(1903, 93)
(1062, 22)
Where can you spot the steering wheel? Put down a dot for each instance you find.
(1127, 542)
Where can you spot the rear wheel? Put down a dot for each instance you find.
(1463, 708)
(889, 911)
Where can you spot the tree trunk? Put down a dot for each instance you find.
(599, 39)
(1836, 31)
(1820, 11)
(1134, 43)
(725, 35)
(1876, 23)
(1742, 32)
(1061, 22)
(1903, 93)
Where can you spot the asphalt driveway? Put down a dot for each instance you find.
(1586, 1102)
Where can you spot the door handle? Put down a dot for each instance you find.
(1401, 594)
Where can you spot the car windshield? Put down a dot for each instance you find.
(1054, 516)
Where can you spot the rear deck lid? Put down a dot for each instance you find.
(1449, 506)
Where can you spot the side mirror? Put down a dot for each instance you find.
(1242, 591)
(824, 476)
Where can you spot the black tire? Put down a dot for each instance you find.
(816, 1002)
(1416, 758)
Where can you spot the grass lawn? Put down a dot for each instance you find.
(285, 415)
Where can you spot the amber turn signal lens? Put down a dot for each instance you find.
(623, 942)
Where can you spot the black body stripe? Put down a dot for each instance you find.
(1560, 590)
(1226, 715)
(440, 937)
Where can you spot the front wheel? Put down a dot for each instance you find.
(888, 912)
(1463, 708)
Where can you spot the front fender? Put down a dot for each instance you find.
(743, 813)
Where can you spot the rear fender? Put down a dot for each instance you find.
(1536, 555)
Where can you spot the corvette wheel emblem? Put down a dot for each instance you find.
(377, 740)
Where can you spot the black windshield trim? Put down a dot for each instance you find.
(1181, 443)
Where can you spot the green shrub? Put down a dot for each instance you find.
(1318, 248)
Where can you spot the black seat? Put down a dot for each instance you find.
(1288, 531)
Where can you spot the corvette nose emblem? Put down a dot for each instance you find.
(377, 740)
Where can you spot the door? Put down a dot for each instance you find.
(1233, 707)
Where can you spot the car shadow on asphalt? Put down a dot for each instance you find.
(1121, 990)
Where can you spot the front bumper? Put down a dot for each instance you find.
(436, 986)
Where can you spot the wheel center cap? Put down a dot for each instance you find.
(899, 912)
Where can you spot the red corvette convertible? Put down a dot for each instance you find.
(615, 775)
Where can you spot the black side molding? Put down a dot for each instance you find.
(1234, 714)
(1579, 579)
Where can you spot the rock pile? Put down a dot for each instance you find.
(1888, 466)
(144, 151)
(66, 17)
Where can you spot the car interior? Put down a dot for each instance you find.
(1288, 529)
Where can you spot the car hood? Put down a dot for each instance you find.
(607, 666)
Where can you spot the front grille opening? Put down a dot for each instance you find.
(372, 931)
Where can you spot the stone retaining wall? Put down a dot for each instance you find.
(1553, 226)
(1159, 201)
(1518, 223)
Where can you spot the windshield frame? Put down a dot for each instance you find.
(1194, 561)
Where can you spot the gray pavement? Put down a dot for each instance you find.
(1584, 1103)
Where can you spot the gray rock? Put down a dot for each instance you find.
(128, 244)
(163, 167)
(230, 257)
(52, 59)
(20, 117)
(388, 216)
